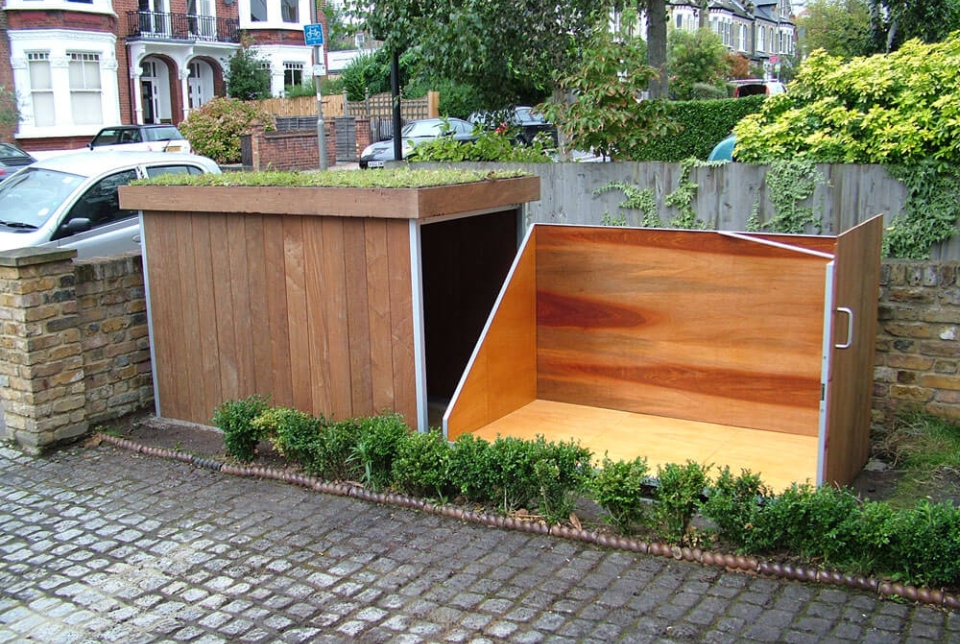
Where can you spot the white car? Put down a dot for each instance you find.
(71, 201)
(140, 138)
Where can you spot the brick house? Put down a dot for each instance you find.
(761, 30)
(79, 65)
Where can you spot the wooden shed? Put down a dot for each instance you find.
(752, 351)
(338, 301)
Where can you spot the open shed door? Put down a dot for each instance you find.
(849, 387)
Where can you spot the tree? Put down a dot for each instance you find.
(510, 50)
(605, 114)
(839, 27)
(695, 58)
(249, 78)
(9, 112)
(339, 34)
(894, 22)
(656, 15)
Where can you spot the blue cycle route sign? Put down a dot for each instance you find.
(313, 35)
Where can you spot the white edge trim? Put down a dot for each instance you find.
(768, 242)
(153, 347)
(419, 341)
(825, 373)
(486, 328)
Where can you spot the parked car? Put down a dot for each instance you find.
(753, 86)
(12, 159)
(723, 151)
(413, 133)
(144, 138)
(525, 120)
(71, 201)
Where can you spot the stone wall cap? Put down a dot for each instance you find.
(31, 256)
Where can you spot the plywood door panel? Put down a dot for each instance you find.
(189, 389)
(329, 309)
(277, 331)
(691, 325)
(856, 286)
(503, 374)
(357, 315)
(255, 270)
(399, 279)
(295, 286)
(164, 285)
(378, 313)
(207, 358)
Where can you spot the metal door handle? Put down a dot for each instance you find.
(849, 342)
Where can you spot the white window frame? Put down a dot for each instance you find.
(274, 15)
(85, 87)
(58, 44)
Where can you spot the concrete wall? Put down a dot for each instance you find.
(74, 344)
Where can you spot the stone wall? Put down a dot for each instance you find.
(918, 353)
(74, 344)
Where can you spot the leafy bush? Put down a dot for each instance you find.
(678, 498)
(215, 129)
(472, 468)
(489, 146)
(732, 503)
(302, 89)
(422, 465)
(332, 456)
(293, 433)
(925, 543)
(378, 439)
(235, 418)
(618, 488)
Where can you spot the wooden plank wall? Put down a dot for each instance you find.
(691, 325)
(503, 375)
(315, 312)
(857, 283)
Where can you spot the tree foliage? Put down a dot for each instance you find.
(508, 49)
(9, 112)
(695, 58)
(840, 27)
(605, 113)
(339, 35)
(249, 78)
(894, 22)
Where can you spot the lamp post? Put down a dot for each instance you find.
(319, 69)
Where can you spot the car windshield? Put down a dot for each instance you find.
(28, 198)
(162, 134)
(11, 152)
(421, 128)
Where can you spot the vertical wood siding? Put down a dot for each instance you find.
(315, 312)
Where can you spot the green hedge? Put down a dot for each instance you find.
(826, 525)
(705, 123)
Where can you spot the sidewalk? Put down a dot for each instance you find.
(105, 545)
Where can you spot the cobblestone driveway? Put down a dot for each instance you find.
(103, 545)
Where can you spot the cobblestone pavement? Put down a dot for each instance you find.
(103, 545)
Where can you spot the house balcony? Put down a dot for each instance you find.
(158, 25)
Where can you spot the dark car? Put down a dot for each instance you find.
(526, 121)
(12, 159)
(413, 133)
(140, 138)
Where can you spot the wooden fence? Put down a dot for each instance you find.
(304, 106)
(725, 198)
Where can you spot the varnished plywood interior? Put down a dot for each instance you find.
(692, 325)
(780, 459)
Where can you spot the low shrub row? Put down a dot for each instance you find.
(682, 504)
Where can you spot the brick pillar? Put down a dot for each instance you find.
(330, 133)
(42, 387)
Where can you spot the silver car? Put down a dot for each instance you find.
(71, 201)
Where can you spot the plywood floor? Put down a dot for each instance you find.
(779, 459)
